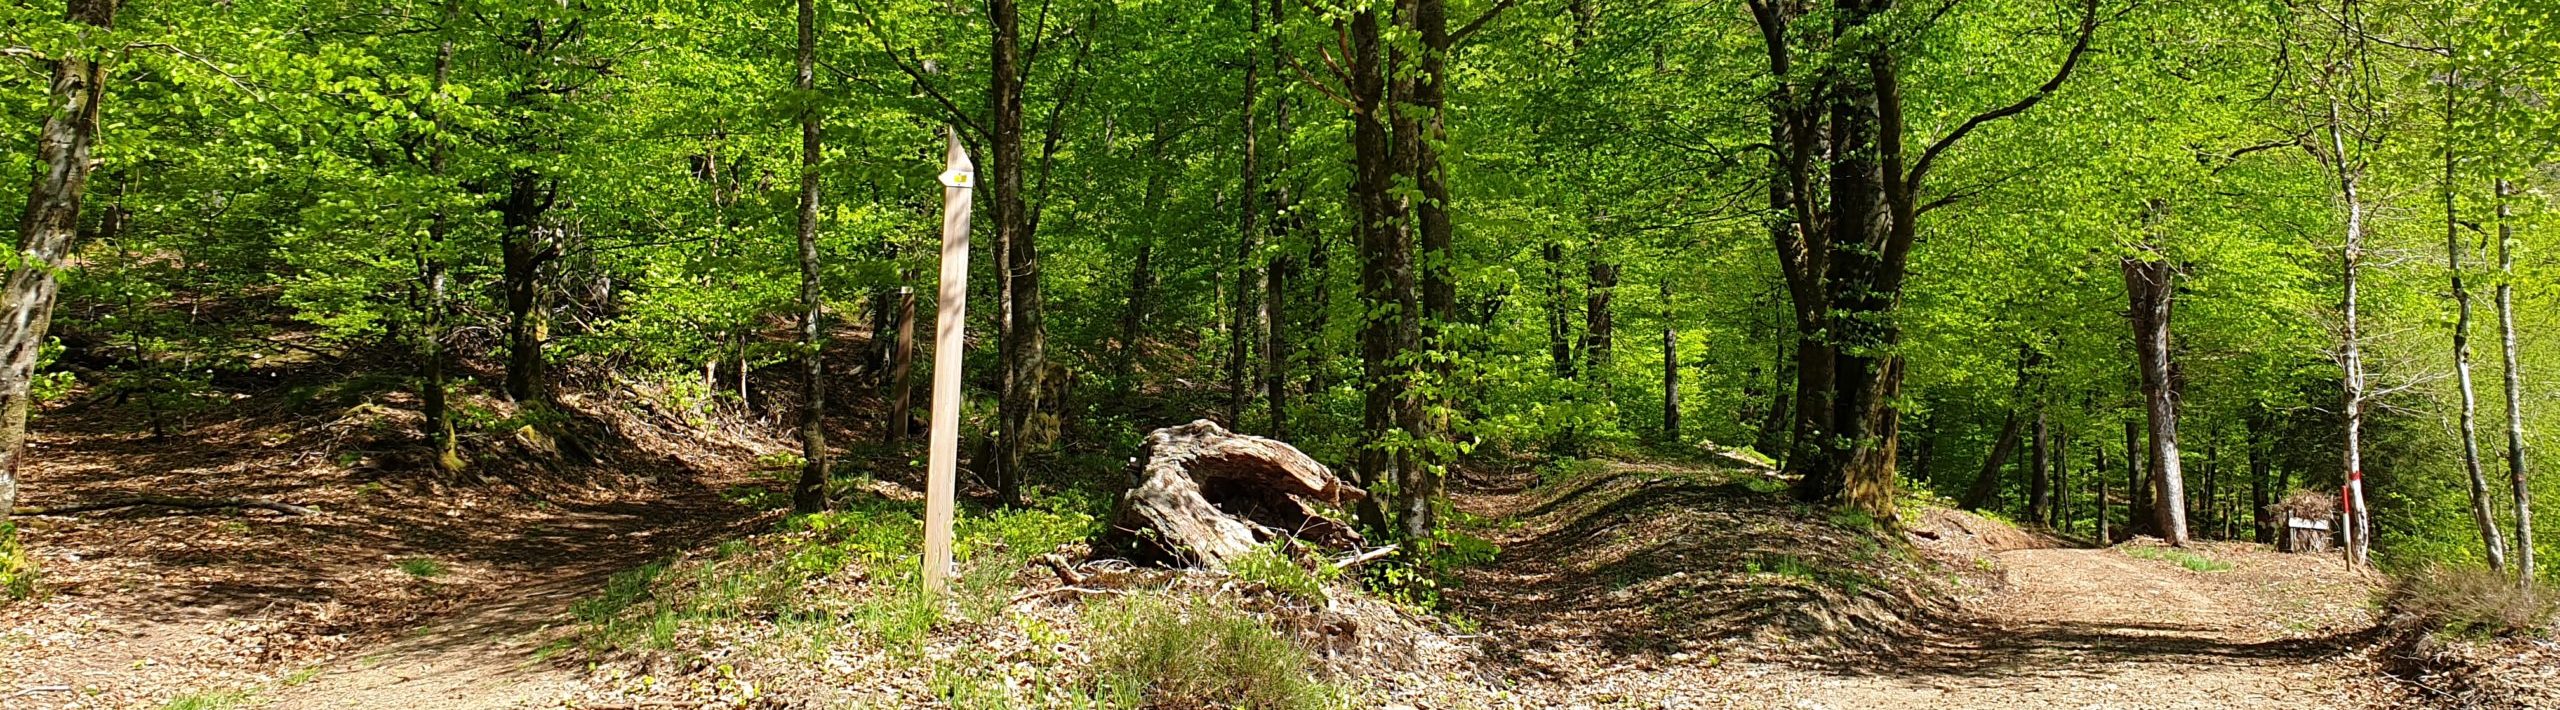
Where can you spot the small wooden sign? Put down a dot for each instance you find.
(952, 300)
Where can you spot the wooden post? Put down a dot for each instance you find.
(943, 451)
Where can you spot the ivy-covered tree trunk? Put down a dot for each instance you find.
(52, 218)
(809, 494)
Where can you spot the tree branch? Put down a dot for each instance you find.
(1460, 36)
(2079, 48)
(912, 71)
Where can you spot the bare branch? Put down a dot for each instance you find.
(1460, 36)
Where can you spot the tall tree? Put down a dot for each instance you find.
(809, 494)
(45, 230)
(2148, 281)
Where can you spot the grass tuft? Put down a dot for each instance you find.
(1163, 654)
(2475, 602)
(2181, 558)
(1271, 567)
(211, 700)
(422, 567)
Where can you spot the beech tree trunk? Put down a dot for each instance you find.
(45, 230)
(2148, 280)
(1599, 317)
(1142, 275)
(2350, 261)
(432, 356)
(2492, 539)
(2059, 488)
(2261, 494)
(809, 494)
(2514, 377)
(1560, 340)
(1275, 281)
(1023, 342)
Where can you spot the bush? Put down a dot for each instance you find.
(1159, 654)
(2473, 601)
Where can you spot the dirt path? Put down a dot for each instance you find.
(394, 592)
(2097, 629)
(1660, 586)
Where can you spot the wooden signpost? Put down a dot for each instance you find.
(943, 450)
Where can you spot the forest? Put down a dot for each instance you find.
(386, 313)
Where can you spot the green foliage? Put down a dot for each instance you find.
(1271, 566)
(18, 571)
(2475, 602)
(1196, 654)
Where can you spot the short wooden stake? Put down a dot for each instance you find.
(943, 450)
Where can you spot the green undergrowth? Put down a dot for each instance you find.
(854, 566)
(18, 572)
(848, 579)
(2182, 558)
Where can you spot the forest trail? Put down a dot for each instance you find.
(1649, 585)
(2097, 628)
(393, 592)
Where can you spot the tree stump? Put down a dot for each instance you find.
(1202, 496)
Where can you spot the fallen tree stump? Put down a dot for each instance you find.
(1202, 496)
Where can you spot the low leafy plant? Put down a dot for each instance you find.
(2475, 602)
(1271, 567)
(18, 572)
(213, 700)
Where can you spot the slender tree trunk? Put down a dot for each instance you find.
(809, 494)
(1275, 297)
(2351, 258)
(1599, 318)
(2059, 518)
(1560, 340)
(1142, 275)
(2260, 495)
(2039, 480)
(1670, 369)
(1024, 347)
(901, 365)
(45, 230)
(431, 338)
(2492, 539)
(527, 247)
(2148, 281)
(1385, 264)
(2514, 377)
(2098, 488)
(1420, 130)
(1248, 287)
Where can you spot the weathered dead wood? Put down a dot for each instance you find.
(1202, 496)
(167, 502)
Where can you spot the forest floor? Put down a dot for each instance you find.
(1636, 585)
